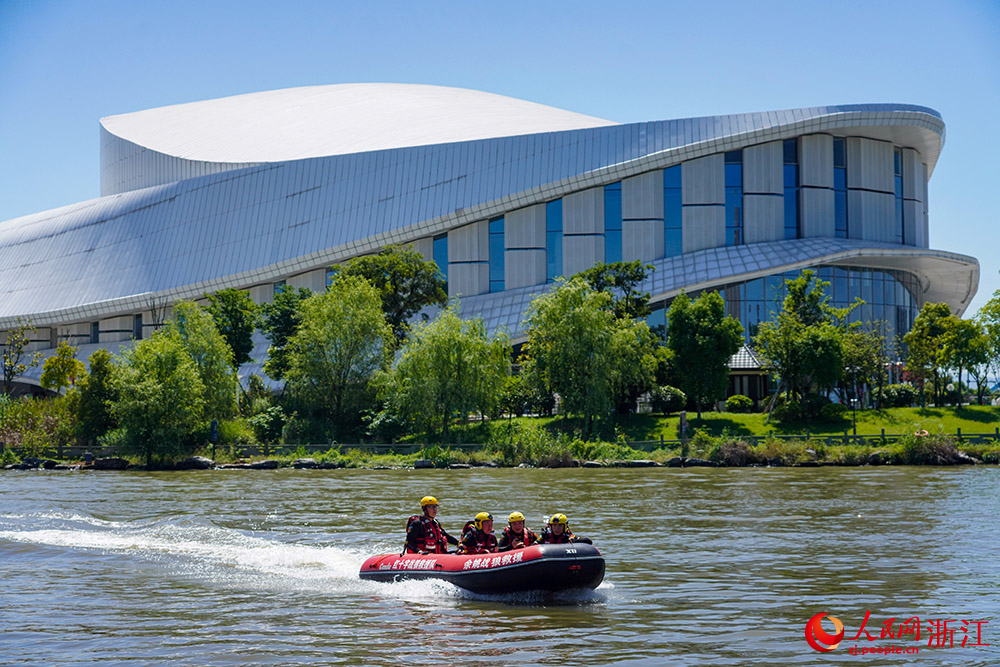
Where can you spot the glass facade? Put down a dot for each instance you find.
(496, 255)
(839, 188)
(673, 212)
(441, 256)
(613, 222)
(553, 239)
(898, 182)
(793, 228)
(734, 197)
(889, 296)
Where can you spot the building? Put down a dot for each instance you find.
(269, 189)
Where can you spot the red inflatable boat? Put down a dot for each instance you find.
(543, 567)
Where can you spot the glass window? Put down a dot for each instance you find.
(496, 255)
(613, 222)
(734, 198)
(553, 239)
(791, 150)
(95, 332)
(279, 287)
(839, 153)
(673, 212)
(441, 255)
(137, 327)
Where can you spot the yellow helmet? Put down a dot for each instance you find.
(515, 516)
(559, 518)
(482, 516)
(428, 500)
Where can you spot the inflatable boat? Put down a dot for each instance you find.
(542, 567)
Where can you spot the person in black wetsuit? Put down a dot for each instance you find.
(424, 535)
(557, 532)
(516, 535)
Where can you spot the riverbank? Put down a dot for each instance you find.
(702, 450)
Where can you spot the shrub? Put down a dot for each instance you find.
(833, 411)
(736, 453)
(739, 403)
(667, 399)
(896, 396)
(267, 425)
(933, 449)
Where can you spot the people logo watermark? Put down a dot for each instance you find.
(940, 633)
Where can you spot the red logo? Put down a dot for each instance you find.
(816, 634)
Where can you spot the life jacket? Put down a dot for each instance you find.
(527, 536)
(433, 540)
(475, 541)
(548, 537)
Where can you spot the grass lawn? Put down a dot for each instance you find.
(645, 427)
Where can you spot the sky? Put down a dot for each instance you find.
(64, 65)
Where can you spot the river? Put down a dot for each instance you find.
(704, 566)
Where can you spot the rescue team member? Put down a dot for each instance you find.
(424, 535)
(516, 535)
(557, 532)
(479, 538)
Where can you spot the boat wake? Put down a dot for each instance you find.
(195, 548)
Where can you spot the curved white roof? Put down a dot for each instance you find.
(316, 121)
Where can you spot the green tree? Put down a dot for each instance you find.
(865, 358)
(702, 338)
(925, 346)
(280, 320)
(573, 338)
(621, 281)
(804, 345)
(62, 369)
(235, 316)
(406, 283)
(97, 396)
(211, 356)
(16, 360)
(447, 367)
(962, 345)
(989, 317)
(342, 341)
(160, 397)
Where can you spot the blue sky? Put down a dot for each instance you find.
(64, 65)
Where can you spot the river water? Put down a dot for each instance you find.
(704, 566)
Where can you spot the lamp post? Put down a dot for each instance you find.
(853, 370)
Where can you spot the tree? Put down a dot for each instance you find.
(448, 366)
(160, 397)
(343, 339)
(925, 344)
(865, 357)
(406, 283)
(280, 320)
(62, 369)
(211, 355)
(637, 356)
(97, 395)
(15, 360)
(573, 340)
(804, 345)
(235, 316)
(621, 280)
(962, 345)
(989, 317)
(702, 338)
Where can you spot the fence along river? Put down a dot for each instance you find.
(705, 566)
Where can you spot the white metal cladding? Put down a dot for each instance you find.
(167, 144)
(258, 224)
(943, 276)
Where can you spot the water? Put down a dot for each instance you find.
(705, 566)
